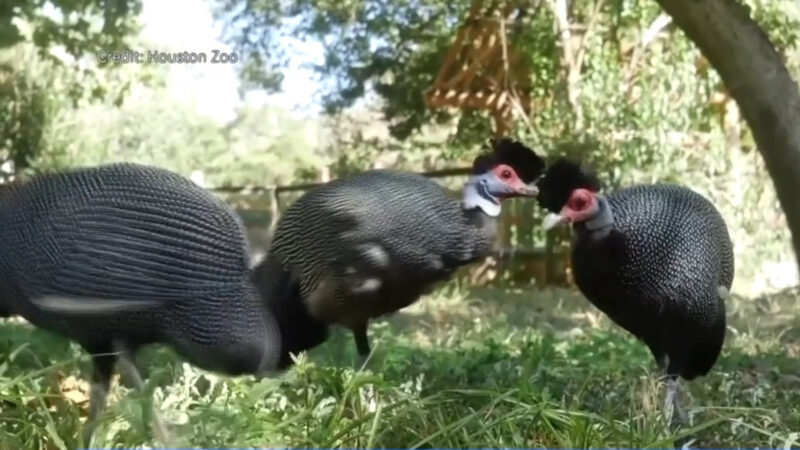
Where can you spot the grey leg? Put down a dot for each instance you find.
(672, 403)
(101, 382)
(127, 365)
(669, 399)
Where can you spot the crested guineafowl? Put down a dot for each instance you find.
(371, 244)
(119, 256)
(657, 259)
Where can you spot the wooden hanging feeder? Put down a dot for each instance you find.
(482, 70)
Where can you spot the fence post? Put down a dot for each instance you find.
(274, 210)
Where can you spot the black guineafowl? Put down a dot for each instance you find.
(119, 256)
(370, 244)
(657, 259)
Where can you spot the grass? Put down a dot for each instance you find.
(485, 368)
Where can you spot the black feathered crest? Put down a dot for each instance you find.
(528, 165)
(561, 178)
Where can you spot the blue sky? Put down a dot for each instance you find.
(188, 25)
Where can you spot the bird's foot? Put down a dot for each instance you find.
(668, 407)
(674, 414)
(682, 416)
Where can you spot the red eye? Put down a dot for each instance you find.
(504, 172)
(578, 202)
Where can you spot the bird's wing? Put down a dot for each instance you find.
(111, 255)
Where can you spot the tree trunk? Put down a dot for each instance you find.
(758, 80)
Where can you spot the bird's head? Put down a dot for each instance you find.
(569, 191)
(510, 169)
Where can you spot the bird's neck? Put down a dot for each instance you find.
(603, 221)
(481, 210)
(476, 197)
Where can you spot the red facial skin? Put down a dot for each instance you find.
(509, 176)
(582, 205)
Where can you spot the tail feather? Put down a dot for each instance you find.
(703, 357)
(706, 350)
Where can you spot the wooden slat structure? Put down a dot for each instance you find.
(481, 69)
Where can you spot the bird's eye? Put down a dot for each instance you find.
(579, 202)
(505, 174)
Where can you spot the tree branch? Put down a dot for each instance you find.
(758, 80)
(568, 60)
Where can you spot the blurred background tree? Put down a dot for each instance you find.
(43, 66)
(614, 82)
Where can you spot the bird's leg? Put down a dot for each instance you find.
(669, 398)
(362, 343)
(683, 418)
(101, 382)
(672, 402)
(128, 365)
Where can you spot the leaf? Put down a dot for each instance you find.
(9, 33)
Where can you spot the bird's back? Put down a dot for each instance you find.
(121, 232)
(659, 271)
(420, 229)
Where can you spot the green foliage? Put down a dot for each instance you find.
(39, 99)
(648, 107)
(43, 67)
(392, 47)
(269, 146)
(23, 111)
(79, 27)
(67, 35)
(261, 147)
(63, 112)
(147, 130)
(493, 369)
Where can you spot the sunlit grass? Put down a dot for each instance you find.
(487, 368)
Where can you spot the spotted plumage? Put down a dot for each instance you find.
(657, 274)
(657, 259)
(370, 244)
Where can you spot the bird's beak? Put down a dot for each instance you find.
(528, 190)
(552, 220)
